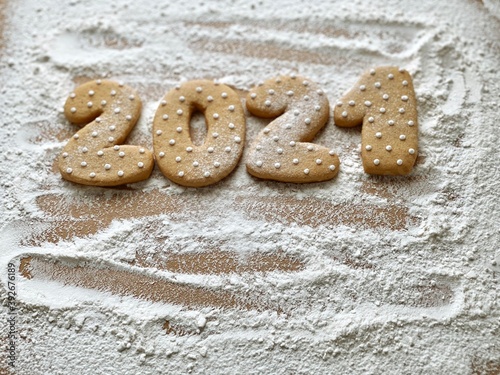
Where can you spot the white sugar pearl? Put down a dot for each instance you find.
(231, 108)
(401, 110)
(295, 161)
(128, 117)
(83, 163)
(352, 103)
(163, 103)
(73, 110)
(178, 159)
(310, 147)
(399, 162)
(142, 151)
(76, 136)
(216, 164)
(411, 123)
(307, 121)
(405, 83)
(121, 154)
(117, 110)
(90, 104)
(404, 98)
(171, 142)
(210, 98)
(372, 72)
(215, 135)
(69, 170)
(253, 95)
(231, 125)
(378, 134)
(368, 147)
(371, 119)
(306, 171)
(402, 137)
(179, 129)
(319, 161)
(368, 103)
(180, 174)
(94, 134)
(385, 96)
(306, 98)
(224, 95)
(159, 132)
(112, 127)
(279, 150)
(107, 166)
(120, 173)
(376, 161)
(267, 103)
(237, 139)
(276, 138)
(199, 89)
(390, 122)
(131, 97)
(65, 155)
(210, 149)
(216, 116)
(378, 85)
(92, 174)
(180, 112)
(388, 148)
(362, 87)
(258, 163)
(111, 139)
(331, 152)
(182, 99)
(411, 151)
(140, 164)
(390, 76)
(227, 149)
(331, 167)
(382, 110)
(344, 114)
(189, 149)
(100, 153)
(296, 112)
(113, 92)
(277, 165)
(289, 93)
(196, 164)
(161, 154)
(317, 108)
(103, 102)
(339, 104)
(72, 95)
(292, 144)
(206, 174)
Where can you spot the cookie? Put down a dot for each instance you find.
(383, 100)
(282, 150)
(108, 111)
(178, 158)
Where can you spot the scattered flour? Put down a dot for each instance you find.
(411, 289)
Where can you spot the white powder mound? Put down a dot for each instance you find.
(396, 276)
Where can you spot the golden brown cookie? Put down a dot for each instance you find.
(282, 151)
(178, 158)
(383, 100)
(108, 111)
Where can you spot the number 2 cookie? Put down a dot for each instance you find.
(282, 151)
(108, 111)
(383, 100)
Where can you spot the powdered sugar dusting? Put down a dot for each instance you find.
(359, 274)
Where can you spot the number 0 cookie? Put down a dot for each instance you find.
(383, 100)
(108, 111)
(178, 158)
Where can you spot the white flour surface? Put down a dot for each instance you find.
(410, 287)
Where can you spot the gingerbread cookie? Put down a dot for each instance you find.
(282, 151)
(108, 111)
(383, 100)
(178, 158)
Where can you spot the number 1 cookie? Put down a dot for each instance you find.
(282, 151)
(108, 111)
(383, 100)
